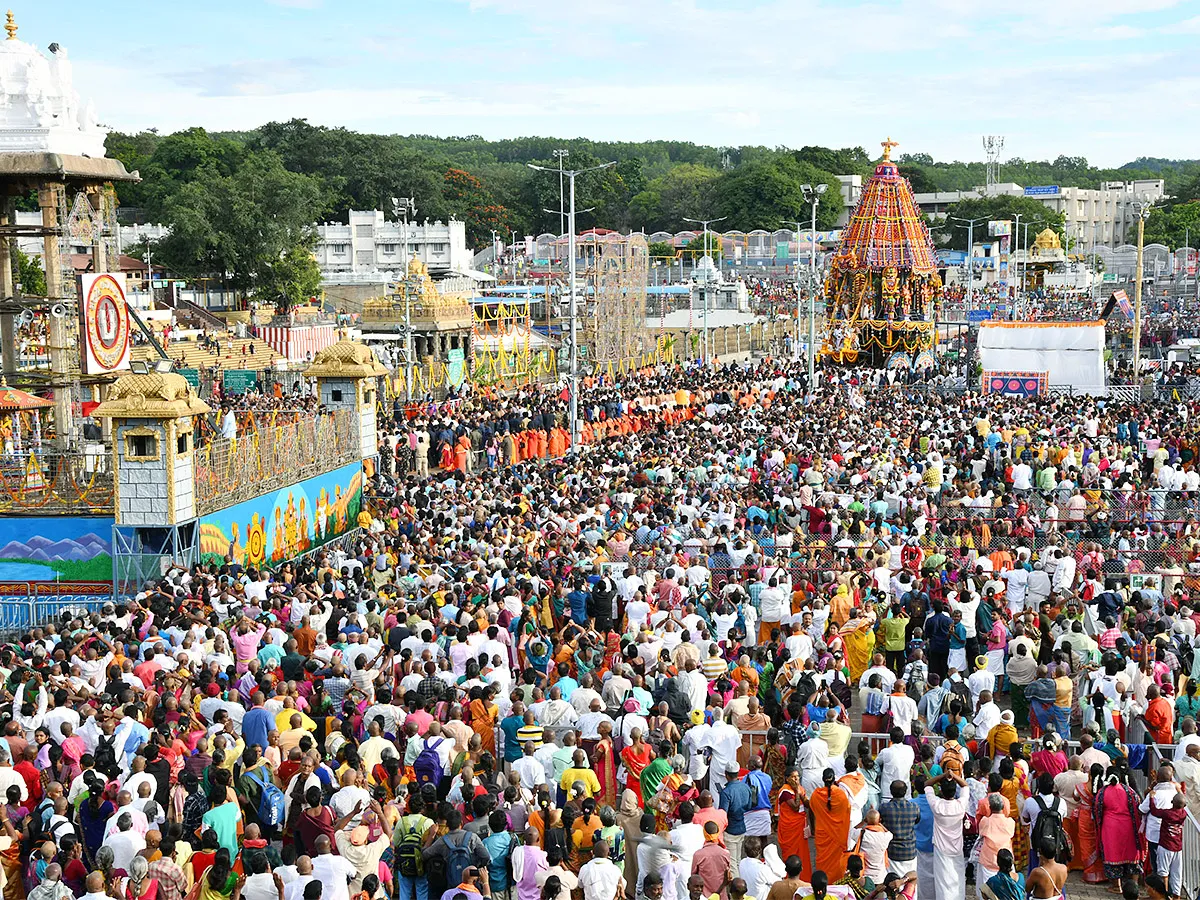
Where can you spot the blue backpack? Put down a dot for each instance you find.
(270, 801)
(458, 858)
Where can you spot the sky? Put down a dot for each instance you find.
(1109, 80)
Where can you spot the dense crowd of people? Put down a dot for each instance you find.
(757, 638)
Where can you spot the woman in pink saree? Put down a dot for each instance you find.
(1116, 809)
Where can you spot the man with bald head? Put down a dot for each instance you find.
(351, 796)
(333, 871)
(51, 886)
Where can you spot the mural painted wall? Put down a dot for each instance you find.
(281, 525)
(56, 548)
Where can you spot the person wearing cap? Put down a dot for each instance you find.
(357, 847)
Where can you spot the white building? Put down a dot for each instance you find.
(1105, 215)
(368, 248)
(130, 235)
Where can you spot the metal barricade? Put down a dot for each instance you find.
(1191, 857)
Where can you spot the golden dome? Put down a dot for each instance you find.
(155, 395)
(1047, 240)
(345, 359)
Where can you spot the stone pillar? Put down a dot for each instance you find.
(98, 198)
(8, 321)
(49, 195)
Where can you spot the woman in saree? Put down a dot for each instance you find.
(1087, 838)
(1007, 883)
(629, 820)
(219, 882)
(604, 764)
(830, 809)
(676, 788)
(793, 820)
(1116, 811)
(859, 641)
(484, 716)
(635, 759)
(1014, 791)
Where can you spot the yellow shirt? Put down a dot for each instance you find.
(591, 784)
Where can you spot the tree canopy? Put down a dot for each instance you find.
(654, 185)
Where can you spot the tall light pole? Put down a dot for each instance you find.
(704, 289)
(402, 208)
(812, 195)
(970, 255)
(1141, 209)
(574, 309)
(560, 155)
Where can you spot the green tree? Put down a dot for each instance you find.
(920, 180)
(243, 227)
(28, 272)
(768, 195)
(1172, 226)
(290, 280)
(686, 191)
(661, 250)
(953, 235)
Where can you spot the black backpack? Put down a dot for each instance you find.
(105, 757)
(1049, 828)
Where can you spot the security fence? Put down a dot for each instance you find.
(277, 450)
(57, 483)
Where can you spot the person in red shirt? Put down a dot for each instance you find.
(145, 671)
(30, 775)
(1170, 841)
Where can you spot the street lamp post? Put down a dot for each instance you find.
(560, 155)
(704, 289)
(812, 195)
(970, 255)
(1142, 209)
(571, 174)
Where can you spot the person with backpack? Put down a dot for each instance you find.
(1044, 814)
(409, 836)
(452, 854)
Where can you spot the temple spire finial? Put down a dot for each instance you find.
(887, 149)
(10, 25)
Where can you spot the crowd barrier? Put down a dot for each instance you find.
(28, 604)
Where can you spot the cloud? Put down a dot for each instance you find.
(257, 77)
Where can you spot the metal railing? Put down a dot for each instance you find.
(272, 456)
(48, 481)
(27, 604)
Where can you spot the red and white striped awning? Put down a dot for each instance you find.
(298, 343)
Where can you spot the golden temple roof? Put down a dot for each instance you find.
(155, 395)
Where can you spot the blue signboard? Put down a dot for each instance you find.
(978, 315)
(951, 257)
(1043, 190)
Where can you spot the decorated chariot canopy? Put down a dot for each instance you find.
(881, 287)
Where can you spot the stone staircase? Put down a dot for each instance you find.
(235, 354)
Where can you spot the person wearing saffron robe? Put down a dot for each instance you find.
(830, 808)
(793, 820)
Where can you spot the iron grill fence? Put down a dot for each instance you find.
(274, 452)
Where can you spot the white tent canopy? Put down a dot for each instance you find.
(1070, 353)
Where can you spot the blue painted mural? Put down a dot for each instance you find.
(56, 548)
(281, 525)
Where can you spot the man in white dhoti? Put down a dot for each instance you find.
(949, 865)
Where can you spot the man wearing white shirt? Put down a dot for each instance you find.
(895, 761)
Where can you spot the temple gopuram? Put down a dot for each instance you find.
(882, 289)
